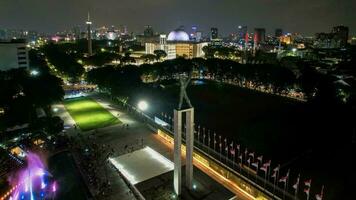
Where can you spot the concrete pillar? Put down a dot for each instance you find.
(177, 152)
(189, 147)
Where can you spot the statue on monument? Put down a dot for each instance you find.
(184, 82)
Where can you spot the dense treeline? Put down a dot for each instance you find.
(66, 65)
(278, 78)
(22, 93)
(116, 80)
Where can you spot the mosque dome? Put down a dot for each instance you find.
(178, 35)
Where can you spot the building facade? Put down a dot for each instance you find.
(13, 55)
(177, 44)
(214, 34)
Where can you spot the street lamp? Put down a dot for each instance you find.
(142, 105)
(34, 72)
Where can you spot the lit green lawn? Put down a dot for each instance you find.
(88, 114)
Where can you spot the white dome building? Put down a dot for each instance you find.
(177, 44)
(178, 36)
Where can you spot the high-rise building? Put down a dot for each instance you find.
(198, 36)
(148, 32)
(162, 39)
(341, 35)
(90, 48)
(193, 34)
(241, 32)
(214, 33)
(76, 32)
(336, 39)
(14, 54)
(260, 35)
(278, 32)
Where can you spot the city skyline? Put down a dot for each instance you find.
(167, 15)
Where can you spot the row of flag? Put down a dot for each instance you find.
(258, 164)
(266, 167)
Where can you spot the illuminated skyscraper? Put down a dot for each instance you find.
(260, 34)
(341, 35)
(214, 33)
(241, 33)
(90, 48)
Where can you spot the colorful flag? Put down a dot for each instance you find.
(264, 168)
(320, 196)
(307, 190)
(260, 158)
(232, 151)
(240, 157)
(238, 147)
(246, 151)
(248, 161)
(226, 149)
(232, 144)
(267, 164)
(307, 182)
(283, 179)
(252, 154)
(277, 168)
(255, 164)
(295, 186)
(274, 175)
(220, 144)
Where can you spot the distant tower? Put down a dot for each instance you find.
(90, 48)
(214, 33)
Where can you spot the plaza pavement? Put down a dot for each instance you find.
(121, 139)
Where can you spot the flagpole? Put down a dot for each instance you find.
(258, 165)
(220, 145)
(296, 186)
(198, 133)
(274, 184)
(233, 160)
(265, 179)
(285, 186)
(269, 171)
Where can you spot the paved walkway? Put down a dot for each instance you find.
(121, 139)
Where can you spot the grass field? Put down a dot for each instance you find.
(88, 114)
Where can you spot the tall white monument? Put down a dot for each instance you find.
(189, 131)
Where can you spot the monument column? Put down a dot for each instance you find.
(189, 147)
(177, 151)
(189, 140)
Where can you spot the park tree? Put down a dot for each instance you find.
(149, 57)
(22, 93)
(308, 81)
(65, 64)
(160, 54)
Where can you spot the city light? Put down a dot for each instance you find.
(142, 105)
(34, 72)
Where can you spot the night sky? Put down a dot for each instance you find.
(303, 16)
